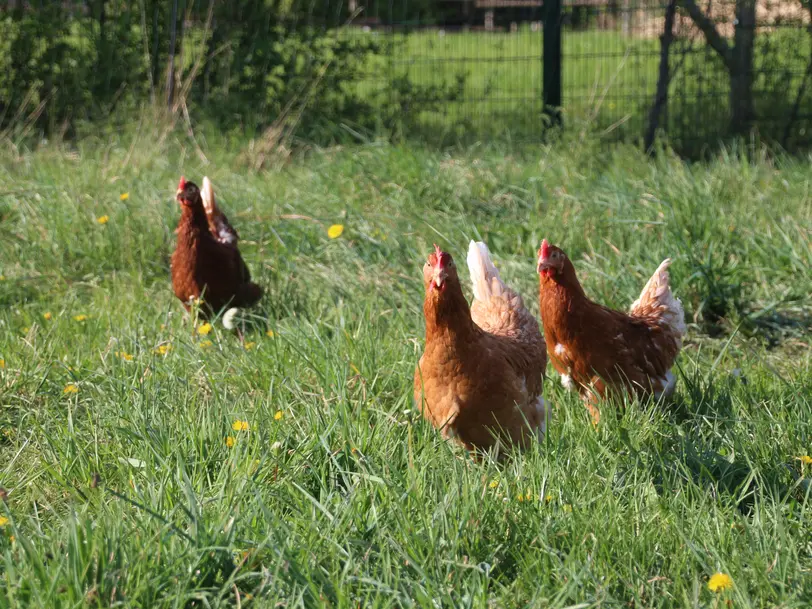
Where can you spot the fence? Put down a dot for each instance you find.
(440, 69)
(484, 66)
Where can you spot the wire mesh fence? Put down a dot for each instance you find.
(476, 67)
(436, 69)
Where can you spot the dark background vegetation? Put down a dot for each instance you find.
(328, 70)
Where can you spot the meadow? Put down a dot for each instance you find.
(145, 464)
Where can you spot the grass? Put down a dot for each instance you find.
(127, 491)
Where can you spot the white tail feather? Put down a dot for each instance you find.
(229, 318)
(484, 276)
(207, 194)
(657, 300)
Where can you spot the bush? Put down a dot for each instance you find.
(245, 66)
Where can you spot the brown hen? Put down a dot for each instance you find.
(596, 349)
(480, 377)
(206, 263)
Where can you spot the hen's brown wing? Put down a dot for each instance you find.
(615, 349)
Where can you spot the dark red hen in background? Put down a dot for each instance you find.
(207, 263)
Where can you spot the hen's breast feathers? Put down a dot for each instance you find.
(203, 265)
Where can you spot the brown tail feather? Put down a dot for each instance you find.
(247, 295)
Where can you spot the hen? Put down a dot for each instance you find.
(480, 377)
(596, 349)
(206, 263)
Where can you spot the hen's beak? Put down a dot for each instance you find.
(439, 277)
(544, 262)
(547, 267)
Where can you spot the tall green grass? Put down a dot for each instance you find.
(129, 492)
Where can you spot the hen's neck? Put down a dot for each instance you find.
(192, 223)
(448, 318)
(560, 304)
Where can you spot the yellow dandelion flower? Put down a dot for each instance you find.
(805, 459)
(81, 317)
(2, 364)
(567, 508)
(26, 330)
(335, 231)
(124, 196)
(269, 334)
(494, 483)
(124, 355)
(3, 521)
(278, 415)
(204, 329)
(205, 344)
(230, 441)
(70, 388)
(103, 219)
(240, 425)
(163, 349)
(519, 497)
(249, 345)
(720, 582)
(529, 496)
(47, 316)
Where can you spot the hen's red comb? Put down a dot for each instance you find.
(545, 248)
(182, 183)
(440, 257)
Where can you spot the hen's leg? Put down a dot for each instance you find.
(591, 396)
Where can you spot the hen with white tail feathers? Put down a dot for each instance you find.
(596, 349)
(480, 377)
(206, 265)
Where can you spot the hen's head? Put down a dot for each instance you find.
(553, 262)
(188, 193)
(439, 273)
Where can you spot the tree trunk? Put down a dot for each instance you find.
(741, 72)
(170, 72)
(738, 59)
(796, 106)
(155, 40)
(664, 78)
(101, 60)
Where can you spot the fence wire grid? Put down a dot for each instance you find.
(476, 67)
(446, 69)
